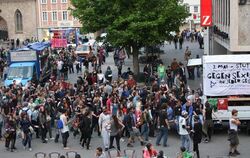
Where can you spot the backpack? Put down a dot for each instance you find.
(24, 112)
(59, 124)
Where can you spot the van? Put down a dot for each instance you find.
(83, 50)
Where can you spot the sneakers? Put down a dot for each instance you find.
(232, 154)
(66, 148)
(52, 138)
(237, 152)
(30, 149)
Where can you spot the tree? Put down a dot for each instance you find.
(131, 23)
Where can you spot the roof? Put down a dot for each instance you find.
(36, 46)
(22, 64)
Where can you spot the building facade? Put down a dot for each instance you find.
(230, 33)
(54, 14)
(193, 7)
(18, 19)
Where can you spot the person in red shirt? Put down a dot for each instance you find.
(149, 151)
(131, 82)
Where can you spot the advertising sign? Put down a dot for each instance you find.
(58, 43)
(23, 56)
(206, 13)
(222, 79)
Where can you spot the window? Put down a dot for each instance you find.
(64, 1)
(188, 8)
(196, 8)
(65, 15)
(53, 1)
(43, 1)
(18, 21)
(54, 16)
(45, 16)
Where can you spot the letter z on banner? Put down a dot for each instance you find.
(206, 13)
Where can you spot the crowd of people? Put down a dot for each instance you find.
(114, 109)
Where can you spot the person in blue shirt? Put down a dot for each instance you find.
(188, 107)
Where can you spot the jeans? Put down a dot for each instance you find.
(1, 126)
(43, 132)
(145, 131)
(163, 133)
(177, 123)
(27, 139)
(65, 137)
(170, 82)
(185, 142)
(117, 139)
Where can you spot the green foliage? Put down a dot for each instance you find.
(133, 23)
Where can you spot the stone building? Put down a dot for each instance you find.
(18, 19)
(230, 33)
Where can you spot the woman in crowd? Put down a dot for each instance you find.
(116, 128)
(149, 151)
(10, 135)
(86, 129)
(26, 128)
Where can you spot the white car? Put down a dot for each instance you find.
(83, 50)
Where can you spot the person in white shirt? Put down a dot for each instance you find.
(234, 122)
(185, 138)
(65, 129)
(100, 77)
(103, 121)
(59, 68)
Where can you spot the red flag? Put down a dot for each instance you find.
(206, 12)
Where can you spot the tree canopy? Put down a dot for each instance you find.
(131, 23)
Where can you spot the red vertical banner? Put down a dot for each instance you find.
(206, 13)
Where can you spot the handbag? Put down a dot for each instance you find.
(31, 129)
(6, 135)
(48, 118)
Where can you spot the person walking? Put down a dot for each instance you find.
(116, 127)
(234, 122)
(26, 128)
(208, 122)
(104, 119)
(197, 131)
(42, 123)
(65, 129)
(144, 121)
(183, 131)
(10, 128)
(163, 126)
(108, 74)
(161, 72)
(86, 129)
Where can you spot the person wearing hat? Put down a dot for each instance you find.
(183, 131)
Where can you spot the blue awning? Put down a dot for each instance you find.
(38, 46)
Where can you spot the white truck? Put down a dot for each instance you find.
(226, 83)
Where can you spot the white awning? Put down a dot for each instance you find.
(194, 62)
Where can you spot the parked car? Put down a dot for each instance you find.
(83, 50)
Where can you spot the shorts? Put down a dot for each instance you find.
(134, 132)
(233, 137)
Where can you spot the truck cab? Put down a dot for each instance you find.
(21, 73)
(23, 66)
